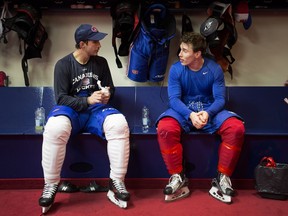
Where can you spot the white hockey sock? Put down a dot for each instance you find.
(55, 137)
(117, 134)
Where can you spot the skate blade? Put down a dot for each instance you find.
(220, 196)
(118, 202)
(45, 209)
(179, 194)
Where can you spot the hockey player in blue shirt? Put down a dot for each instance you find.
(196, 91)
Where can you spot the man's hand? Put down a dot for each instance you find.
(106, 95)
(99, 97)
(94, 98)
(200, 119)
(203, 116)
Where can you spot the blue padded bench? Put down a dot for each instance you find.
(263, 108)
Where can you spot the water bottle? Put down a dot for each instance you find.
(39, 119)
(145, 119)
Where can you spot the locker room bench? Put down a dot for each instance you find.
(263, 108)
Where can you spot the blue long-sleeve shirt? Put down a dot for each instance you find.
(194, 91)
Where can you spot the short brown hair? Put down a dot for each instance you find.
(197, 41)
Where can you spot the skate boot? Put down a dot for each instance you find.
(177, 188)
(47, 198)
(117, 193)
(222, 188)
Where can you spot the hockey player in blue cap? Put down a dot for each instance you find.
(83, 87)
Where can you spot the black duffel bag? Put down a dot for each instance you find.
(272, 179)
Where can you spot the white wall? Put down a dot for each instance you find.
(260, 52)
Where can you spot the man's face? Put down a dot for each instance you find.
(186, 55)
(92, 48)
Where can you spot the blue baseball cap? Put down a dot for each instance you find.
(88, 32)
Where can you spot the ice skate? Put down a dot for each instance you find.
(222, 188)
(47, 198)
(177, 188)
(117, 193)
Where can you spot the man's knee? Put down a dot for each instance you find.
(237, 129)
(232, 128)
(168, 127)
(115, 126)
(58, 126)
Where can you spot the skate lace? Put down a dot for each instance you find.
(225, 182)
(49, 190)
(175, 181)
(119, 186)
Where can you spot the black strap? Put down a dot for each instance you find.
(186, 24)
(186, 27)
(228, 55)
(118, 62)
(25, 71)
(24, 63)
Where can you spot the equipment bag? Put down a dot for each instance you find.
(272, 179)
(5, 14)
(220, 33)
(27, 24)
(124, 18)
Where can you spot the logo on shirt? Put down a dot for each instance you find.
(86, 81)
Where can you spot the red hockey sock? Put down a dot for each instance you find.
(232, 134)
(169, 135)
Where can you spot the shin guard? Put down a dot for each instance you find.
(232, 134)
(117, 135)
(55, 138)
(228, 157)
(169, 135)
